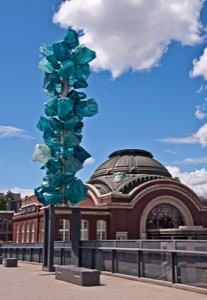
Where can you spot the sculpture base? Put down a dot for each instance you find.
(10, 262)
(77, 275)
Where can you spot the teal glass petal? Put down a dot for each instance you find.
(76, 192)
(56, 124)
(46, 50)
(72, 79)
(68, 179)
(82, 72)
(87, 108)
(70, 140)
(71, 122)
(51, 107)
(54, 165)
(81, 154)
(71, 38)
(61, 50)
(80, 84)
(46, 66)
(82, 55)
(43, 123)
(72, 165)
(50, 82)
(39, 194)
(66, 68)
(76, 95)
(53, 197)
(55, 180)
(41, 153)
(65, 107)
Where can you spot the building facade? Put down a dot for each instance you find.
(130, 196)
(6, 228)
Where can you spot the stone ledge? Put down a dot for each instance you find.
(10, 262)
(77, 275)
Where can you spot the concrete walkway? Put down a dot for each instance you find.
(29, 282)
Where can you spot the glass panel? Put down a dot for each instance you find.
(164, 216)
(157, 266)
(127, 263)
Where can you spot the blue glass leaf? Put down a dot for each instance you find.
(61, 50)
(82, 55)
(65, 107)
(38, 193)
(46, 66)
(53, 197)
(87, 108)
(54, 165)
(72, 165)
(51, 107)
(76, 191)
(66, 68)
(71, 38)
(76, 95)
(43, 123)
(80, 84)
(56, 124)
(70, 140)
(82, 72)
(81, 154)
(71, 122)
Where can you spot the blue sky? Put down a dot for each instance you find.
(149, 79)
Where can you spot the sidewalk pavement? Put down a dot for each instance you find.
(29, 282)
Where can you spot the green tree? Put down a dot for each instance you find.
(3, 203)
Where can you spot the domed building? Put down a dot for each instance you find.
(130, 196)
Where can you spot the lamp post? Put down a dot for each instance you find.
(66, 68)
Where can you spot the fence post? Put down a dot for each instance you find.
(139, 263)
(174, 267)
(114, 261)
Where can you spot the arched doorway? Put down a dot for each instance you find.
(163, 214)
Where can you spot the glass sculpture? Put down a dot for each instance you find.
(66, 70)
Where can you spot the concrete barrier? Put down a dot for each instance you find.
(77, 275)
(10, 262)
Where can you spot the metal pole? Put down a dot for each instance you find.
(51, 238)
(45, 239)
(75, 236)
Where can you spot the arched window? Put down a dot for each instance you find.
(64, 230)
(27, 233)
(101, 230)
(84, 230)
(32, 232)
(164, 216)
(22, 232)
(17, 233)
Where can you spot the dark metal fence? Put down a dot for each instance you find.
(179, 261)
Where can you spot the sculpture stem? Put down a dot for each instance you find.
(65, 86)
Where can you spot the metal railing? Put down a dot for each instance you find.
(172, 261)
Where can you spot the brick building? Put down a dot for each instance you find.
(130, 196)
(6, 229)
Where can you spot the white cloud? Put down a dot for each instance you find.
(196, 180)
(10, 131)
(89, 161)
(180, 140)
(200, 112)
(131, 34)
(200, 66)
(200, 137)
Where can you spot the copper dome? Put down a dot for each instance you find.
(124, 166)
